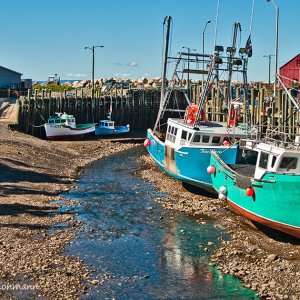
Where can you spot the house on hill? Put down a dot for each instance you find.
(290, 71)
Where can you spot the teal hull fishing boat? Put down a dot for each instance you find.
(181, 146)
(264, 186)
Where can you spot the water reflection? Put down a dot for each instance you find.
(145, 252)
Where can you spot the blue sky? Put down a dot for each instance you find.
(41, 38)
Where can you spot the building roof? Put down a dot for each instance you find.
(289, 61)
(1, 67)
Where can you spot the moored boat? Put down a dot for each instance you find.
(108, 127)
(64, 127)
(266, 191)
(264, 184)
(183, 149)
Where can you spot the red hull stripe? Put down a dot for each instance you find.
(295, 231)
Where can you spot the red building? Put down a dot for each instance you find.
(290, 71)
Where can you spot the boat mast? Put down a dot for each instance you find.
(231, 51)
(164, 74)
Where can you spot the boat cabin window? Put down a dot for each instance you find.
(51, 121)
(186, 135)
(196, 138)
(57, 121)
(205, 138)
(288, 163)
(171, 134)
(263, 161)
(216, 140)
(273, 161)
(183, 135)
(110, 124)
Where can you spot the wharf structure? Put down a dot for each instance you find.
(139, 107)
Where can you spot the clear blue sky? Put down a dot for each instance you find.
(41, 38)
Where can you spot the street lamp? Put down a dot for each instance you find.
(93, 67)
(188, 77)
(276, 46)
(203, 49)
(269, 58)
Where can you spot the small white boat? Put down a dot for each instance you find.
(108, 127)
(64, 127)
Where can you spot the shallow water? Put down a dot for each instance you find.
(145, 252)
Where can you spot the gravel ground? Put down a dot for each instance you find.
(264, 260)
(33, 173)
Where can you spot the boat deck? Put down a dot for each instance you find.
(243, 169)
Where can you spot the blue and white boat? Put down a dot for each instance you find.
(108, 127)
(183, 150)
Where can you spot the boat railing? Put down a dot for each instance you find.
(280, 139)
(221, 162)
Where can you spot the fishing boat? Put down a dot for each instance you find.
(183, 149)
(108, 127)
(264, 184)
(64, 127)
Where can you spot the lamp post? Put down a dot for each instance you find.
(188, 77)
(93, 66)
(276, 46)
(269, 57)
(203, 50)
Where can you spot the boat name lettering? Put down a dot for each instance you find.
(207, 151)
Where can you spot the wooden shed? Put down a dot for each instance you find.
(290, 71)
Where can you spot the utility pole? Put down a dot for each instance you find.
(269, 58)
(93, 67)
(276, 47)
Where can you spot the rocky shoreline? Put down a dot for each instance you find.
(264, 261)
(33, 173)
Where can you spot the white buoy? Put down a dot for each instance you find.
(222, 196)
(223, 190)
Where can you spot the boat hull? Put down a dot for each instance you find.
(275, 202)
(111, 131)
(61, 132)
(188, 164)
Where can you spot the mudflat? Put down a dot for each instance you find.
(33, 172)
(265, 261)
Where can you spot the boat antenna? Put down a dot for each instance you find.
(251, 19)
(217, 19)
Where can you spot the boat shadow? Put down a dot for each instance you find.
(197, 190)
(276, 235)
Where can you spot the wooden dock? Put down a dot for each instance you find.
(139, 108)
